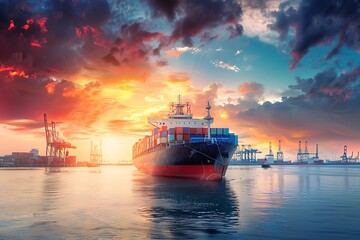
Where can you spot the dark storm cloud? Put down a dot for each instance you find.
(330, 85)
(326, 108)
(134, 45)
(51, 36)
(165, 7)
(317, 23)
(191, 18)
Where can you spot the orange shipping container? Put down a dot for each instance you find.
(163, 128)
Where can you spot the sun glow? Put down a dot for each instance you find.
(116, 149)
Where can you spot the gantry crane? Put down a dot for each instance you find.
(95, 155)
(56, 146)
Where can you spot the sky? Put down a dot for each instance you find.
(272, 70)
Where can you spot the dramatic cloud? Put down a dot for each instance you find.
(52, 39)
(251, 90)
(134, 45)
(317, 23)
(59, 98)
(324, 110)
(329, 85)
(192, 18)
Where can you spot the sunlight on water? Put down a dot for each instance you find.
(119, 202)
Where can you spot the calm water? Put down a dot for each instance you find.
(283, 202)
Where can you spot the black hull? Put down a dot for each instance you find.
(204, 160)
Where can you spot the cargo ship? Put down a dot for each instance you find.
(185, 147)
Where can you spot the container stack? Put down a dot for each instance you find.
(181, 135)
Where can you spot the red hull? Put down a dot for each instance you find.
(199, 172)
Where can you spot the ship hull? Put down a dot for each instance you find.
(202, 161)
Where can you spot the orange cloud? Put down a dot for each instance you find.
(18, 73)
(11, 25)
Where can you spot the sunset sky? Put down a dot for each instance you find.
(272, 70)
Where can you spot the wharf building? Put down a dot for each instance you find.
(23, 159)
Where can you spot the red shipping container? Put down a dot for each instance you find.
(192, 131)
(204, 131)
(163, 128)
(179, 130)
(187, 137)
(198, 131)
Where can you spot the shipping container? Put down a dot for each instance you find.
(192, 131)
(179, 130)
(196, 139)
(186, 130)
(179, 137)
(163, 140)
(198, 131)
(213, 131)
(219, 131)
(171, 130)
(155, 131)
(226, 131)
(232, 137)
(186, 137)
(163, 128)
(163, 133)
(171, 137)
(204, 131)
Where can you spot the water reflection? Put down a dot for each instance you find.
(175, 208)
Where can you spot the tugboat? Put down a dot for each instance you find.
(184, 147)
(265, 165)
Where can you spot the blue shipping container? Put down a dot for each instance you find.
(171, 130)
(171, 137)
(186, 130)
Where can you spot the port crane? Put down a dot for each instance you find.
(306, 156)
(246, 153)
(95, 155)
(279, 154)
(56, 146)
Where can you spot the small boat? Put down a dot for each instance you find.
(265, 165)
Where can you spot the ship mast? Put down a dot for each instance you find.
(208, 118)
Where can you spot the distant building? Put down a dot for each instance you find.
(35, 153)
(26, 159)
(7, 161)
(33, 159)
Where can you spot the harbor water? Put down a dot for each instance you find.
(119, 202)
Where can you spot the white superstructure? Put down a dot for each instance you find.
(177, 117)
